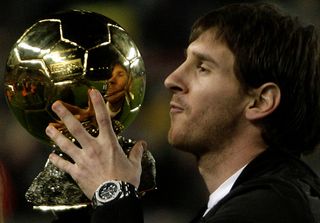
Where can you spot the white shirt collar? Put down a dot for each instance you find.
(222, 190)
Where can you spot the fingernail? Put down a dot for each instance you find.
(51, 157)
(93, 93)
(49, 130)
(57, 107)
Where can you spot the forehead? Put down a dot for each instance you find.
(208, 46)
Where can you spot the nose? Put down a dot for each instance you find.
(112, 79)
(175, 81)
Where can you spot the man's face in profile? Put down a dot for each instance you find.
(117, 84)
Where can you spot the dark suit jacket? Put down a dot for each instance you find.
(273, 188)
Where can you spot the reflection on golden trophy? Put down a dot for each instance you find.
(117, 89)
(61, 58)
(115, 95)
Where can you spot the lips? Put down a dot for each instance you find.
(176, 107)
(111, 93)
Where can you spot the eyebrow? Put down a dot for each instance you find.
(202, 57)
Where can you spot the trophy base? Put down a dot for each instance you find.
(55, 190)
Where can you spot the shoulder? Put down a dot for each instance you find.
(266, 199)
(274, 187)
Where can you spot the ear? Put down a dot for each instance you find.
(264, 100)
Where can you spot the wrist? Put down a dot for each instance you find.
(113, 190)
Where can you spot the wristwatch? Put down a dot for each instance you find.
(112, 190)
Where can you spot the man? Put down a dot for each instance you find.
(245, 102)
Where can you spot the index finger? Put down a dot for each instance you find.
(101, 112)
(73, 125)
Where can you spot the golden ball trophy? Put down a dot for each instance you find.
(61, 57)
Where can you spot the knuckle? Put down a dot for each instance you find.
(103, 120)
(62, 144)
(61, 165)
(75, 129)
(76, 175)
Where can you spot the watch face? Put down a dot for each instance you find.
(109, 191)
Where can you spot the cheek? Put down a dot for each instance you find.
(213, 105)
(201, 102)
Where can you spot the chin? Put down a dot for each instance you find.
(172, 134)
(185, 144)
(177, 141)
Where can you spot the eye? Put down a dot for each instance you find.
(120, 74)
(202, 68)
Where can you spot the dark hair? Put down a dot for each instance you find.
(272, 47)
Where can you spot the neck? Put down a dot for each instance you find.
(217, 166)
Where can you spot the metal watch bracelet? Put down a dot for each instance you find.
(112, 190)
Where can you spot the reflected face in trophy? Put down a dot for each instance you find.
(208, 100)
(117, 86)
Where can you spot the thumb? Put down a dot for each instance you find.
(136, 152)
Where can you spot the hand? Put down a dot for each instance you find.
(101, 158)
